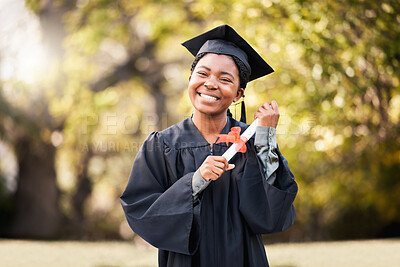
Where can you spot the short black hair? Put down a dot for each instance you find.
(244, 73)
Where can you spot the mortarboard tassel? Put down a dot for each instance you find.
(228, 112)
(243, 112)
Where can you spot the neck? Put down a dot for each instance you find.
(209, 125)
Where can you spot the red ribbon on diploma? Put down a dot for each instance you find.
(234, 137)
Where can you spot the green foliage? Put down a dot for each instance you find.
(34, 5)
(336, 82)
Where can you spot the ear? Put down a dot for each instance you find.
(190, 77)
(239, 94)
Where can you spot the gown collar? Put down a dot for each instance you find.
(185, 134)
(224, 130)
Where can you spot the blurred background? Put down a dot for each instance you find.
(83, 82)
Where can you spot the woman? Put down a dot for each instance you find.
(183, 197)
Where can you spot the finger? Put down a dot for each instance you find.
(222, 160)
(266, 106)
(216, 173)
(207, 174)
(219, 158)
(217, 167)
(274, 105)
(263, 111)
(212, 176)
(215, 160)
(259, 114)
(218, 164)
(230, 167)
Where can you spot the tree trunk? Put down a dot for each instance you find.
(83, 192)
(36, 199)
(37, 213)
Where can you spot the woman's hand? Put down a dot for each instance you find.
(268, 114)
(214, 166)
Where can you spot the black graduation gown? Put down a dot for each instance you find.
(224, 227)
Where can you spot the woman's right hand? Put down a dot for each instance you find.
(214, 166)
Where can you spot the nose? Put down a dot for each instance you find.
(211, 83)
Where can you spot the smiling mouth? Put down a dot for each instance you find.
(209, 97)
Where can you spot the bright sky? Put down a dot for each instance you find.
(22, 56)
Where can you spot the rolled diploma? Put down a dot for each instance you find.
(248, 133)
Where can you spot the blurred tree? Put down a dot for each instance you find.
(352, 86)
(92, 28)
(37, 211)
(118, 74)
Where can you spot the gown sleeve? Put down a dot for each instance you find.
(266, 147)
(161, 213)
(267, 208)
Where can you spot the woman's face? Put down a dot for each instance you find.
(214, 84)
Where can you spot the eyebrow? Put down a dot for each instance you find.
(222, 72)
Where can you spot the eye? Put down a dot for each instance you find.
(226, 80)
(201, 73)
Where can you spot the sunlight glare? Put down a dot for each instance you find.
(23, 56)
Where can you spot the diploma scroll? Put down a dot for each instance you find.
(247, 134)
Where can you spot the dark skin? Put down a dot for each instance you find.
(213, 86)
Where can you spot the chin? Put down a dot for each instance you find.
(210, 112)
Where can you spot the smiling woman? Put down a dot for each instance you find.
(183, 197)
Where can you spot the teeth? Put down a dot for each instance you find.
(209, 97)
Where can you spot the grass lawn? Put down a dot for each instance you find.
(42, 253)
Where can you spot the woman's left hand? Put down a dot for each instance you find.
(268, 114)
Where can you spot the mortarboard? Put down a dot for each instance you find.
(225, 40)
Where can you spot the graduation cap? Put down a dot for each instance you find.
(225, 40)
